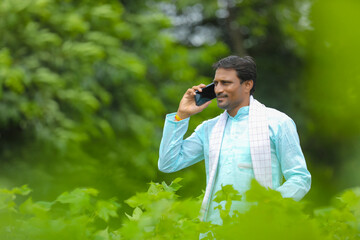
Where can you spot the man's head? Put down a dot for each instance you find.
(245, 68)
(234, 82)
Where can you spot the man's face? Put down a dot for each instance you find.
(231, 95)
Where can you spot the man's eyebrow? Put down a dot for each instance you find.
(221, 80)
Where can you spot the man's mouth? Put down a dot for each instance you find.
(220, 97)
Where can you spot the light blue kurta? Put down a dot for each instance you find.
(235, 165)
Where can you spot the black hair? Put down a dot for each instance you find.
(245, 68)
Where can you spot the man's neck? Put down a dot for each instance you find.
(235, 110)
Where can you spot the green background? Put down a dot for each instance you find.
(85, 87)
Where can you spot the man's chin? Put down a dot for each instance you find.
(222, 105)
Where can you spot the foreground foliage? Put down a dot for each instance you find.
(160, 214)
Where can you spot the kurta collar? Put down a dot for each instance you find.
(242, 112)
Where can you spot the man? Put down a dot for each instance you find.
(247, 141)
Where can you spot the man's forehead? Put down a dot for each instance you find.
(225, 74)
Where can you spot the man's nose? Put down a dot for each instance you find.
(218, 89)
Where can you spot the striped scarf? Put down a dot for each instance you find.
(259, 149)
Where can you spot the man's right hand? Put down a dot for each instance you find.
(187, 106)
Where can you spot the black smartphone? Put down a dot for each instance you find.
(207, 94)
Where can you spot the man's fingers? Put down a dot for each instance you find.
(199, 87)
(191, 92)
(196, 88)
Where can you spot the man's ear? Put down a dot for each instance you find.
(248, 85)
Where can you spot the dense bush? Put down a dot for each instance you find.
(160, 214)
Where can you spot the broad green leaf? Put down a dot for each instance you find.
(23, 190)
(351, 198)
(136, 214)
(175, 184)
(227, 193)
(78, 199)
(40, 209)
(260, 193)
(107, 209)
(102, 235)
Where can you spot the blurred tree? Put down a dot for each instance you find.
(271, 31)
(84, 88)
(332, 79)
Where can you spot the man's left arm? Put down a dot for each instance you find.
(293, 166)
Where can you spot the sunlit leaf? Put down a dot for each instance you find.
(107, 209)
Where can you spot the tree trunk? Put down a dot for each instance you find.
(234, 33)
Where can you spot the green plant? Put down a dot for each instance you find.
(160, 214)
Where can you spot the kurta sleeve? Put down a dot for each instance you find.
(297, 177)
(176, 153)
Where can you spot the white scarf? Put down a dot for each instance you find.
(259, 149)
